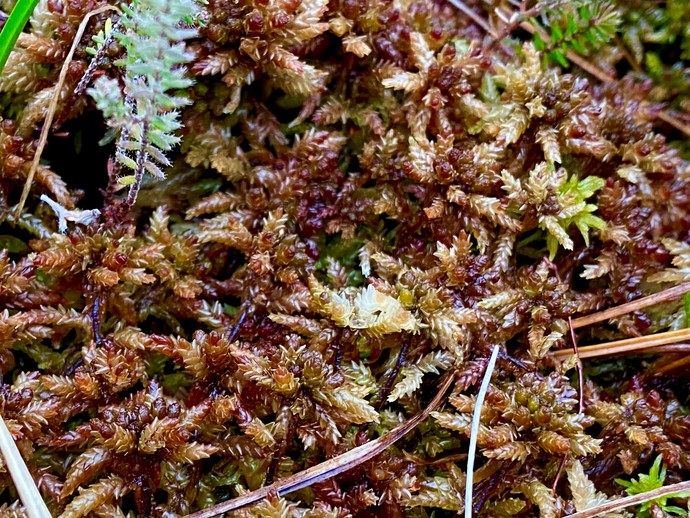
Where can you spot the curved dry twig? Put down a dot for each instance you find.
(52, 108)
(331, 467)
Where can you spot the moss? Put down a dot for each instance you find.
(364, 198)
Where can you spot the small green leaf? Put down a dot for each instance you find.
(126, 161)
(126, 180)
(648, 482)
(558, 56)
(578, 46)
(539, 42)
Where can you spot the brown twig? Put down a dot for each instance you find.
(52, 107)
(561, 465)
(637, 344)
(657, 298)
(331, 467)
(622, 503)
(23, 481)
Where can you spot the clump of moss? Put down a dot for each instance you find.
(366, 195)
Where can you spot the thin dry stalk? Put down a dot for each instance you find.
(650, 300)
(331, 467)
(557, 478)
(628, 501)
(23, 481)
(52, 108)
(474, 430)
(628, 345)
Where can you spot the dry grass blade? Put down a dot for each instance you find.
(622, 503)
(23, 481)
(637, 344)
(53, 106)
(331, 467)
(476, 417)
(662, 296)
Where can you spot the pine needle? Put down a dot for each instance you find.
(629, 345)
(628, 501)
(662, 296)
(52, 108)
(23, 481)
(474, 430)
(331, 467)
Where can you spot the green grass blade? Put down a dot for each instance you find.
(13, 27)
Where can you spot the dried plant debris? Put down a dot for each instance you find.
(346, 201)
